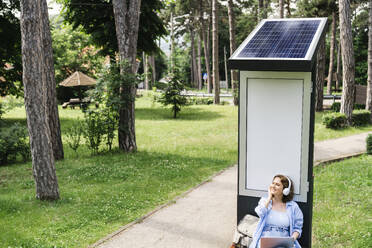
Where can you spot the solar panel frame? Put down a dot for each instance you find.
(310, 50)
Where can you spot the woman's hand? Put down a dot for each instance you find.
(295, 235)
(270, 196)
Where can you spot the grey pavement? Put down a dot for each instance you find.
(205, 217)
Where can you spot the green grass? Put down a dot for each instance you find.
(101, 193)
(342, 204)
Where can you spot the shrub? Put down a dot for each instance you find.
(93, 129)
(334, 120)
(336, 107)
(199, 101)
(359, 106)
(361, 117)
(74, 135)
(369, 144)
(13, 142)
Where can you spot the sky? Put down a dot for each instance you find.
(53, 7)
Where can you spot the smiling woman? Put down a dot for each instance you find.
(279, 215)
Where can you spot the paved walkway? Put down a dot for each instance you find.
(205, 217)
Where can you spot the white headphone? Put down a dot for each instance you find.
(286, 191)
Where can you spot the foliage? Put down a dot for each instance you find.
(73, 51)
(336, 107)
(334, 120)
(172, 95)
(74, 134)
(360, 41)
(97, 19)
(361, 117)
(10, 49)
(13, 142)
(369, 144)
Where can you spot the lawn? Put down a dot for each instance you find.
(342, 204)
(101, 193)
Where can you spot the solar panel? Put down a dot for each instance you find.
(281, 39)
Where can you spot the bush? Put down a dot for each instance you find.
(199, 101)
(361, 118)
(359, 106)
(13, 142)
(93, 129)
(74, 135)
(336, 107)
(369, 144)
(334, 120)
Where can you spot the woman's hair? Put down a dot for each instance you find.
(285, 182)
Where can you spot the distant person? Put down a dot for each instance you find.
(279, 215)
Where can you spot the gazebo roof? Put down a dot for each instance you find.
(78, 79)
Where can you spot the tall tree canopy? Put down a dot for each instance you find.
(97, 19)
(10, 49)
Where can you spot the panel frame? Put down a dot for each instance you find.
(310, 51)
(307, 90)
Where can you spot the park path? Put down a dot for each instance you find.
(205, 217)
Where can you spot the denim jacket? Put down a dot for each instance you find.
(294, 213)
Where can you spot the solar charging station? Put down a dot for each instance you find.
(277, 64)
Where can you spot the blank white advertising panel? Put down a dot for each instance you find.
(275, 132)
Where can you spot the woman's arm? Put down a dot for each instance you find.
(298, 221)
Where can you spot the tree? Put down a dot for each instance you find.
(172, 95)
(34, 80)
(348, 63)
(331, 53)
(234, 73)
(50, 85)
(281, 8)
(127, 15)
(216, 76)
(369, 79)
(319, 83)
(205, 36)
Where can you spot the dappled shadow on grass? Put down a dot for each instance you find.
(188, 114)
(118, 166)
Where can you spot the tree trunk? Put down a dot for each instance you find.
(205, 35)
(172, 45)
(281, 8)
(369, 78)
(348, 63)
(200, 82)
(331, 54)
(225, 62)
(126, 22)
(192, 57)
(216, 77)
(153, 69)
(234, 73)
(338, 76)
(146, 70)
(289, 14)
(35, 100)
(50, 86)
(194, 63)
(320, 76)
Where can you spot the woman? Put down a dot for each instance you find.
(279, 215)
